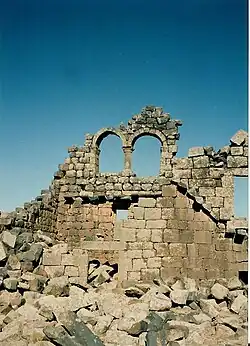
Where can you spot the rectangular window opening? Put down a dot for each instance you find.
(241, 197)
(121, 214)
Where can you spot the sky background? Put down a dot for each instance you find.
(72, 67)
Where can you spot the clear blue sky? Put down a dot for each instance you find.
(72, 67)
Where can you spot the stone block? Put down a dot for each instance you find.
(134, 224)
(152, 213)
(216, 202)
(67, 260)
(239, 138)
(9, 239)
(184, 214)
(168, 213)
(166, 202)
(171, 235)
(236, 151)
(148, 253)
(127, 234)
(206, 191)
(161, 249)
(201, 162)
(178, 250)
(146, 202)
(71, 271)
(154, 262)
(138, 213)
(150, 274)
(3, 254)
(237, 161)
(181, 202)
(186, 236)
(182, 173)
(134, 253)
(226, 213)
(169, 191)
(143, 235)
(51, 258)
(166, 273)
(138, 264)
(196, 151)
(200, 173)
(54, 271)
(224, 192)
(134, 276)
(156, 235)
(156, 224)
(201, 237)
(182, 163)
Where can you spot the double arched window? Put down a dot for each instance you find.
(140, 153)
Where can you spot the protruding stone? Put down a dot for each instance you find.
(239, 137)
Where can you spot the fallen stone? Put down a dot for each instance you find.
(103, 324)
(9, 239)
(3, 254)
(87, 316)
(239, 302)
(10, 284)
(219, 291)
(156, 300)
(58, 287)
(234, 283)
(209, 307)
(179, 296)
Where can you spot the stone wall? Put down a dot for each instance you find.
(179, 222)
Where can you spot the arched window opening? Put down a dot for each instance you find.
(111, 158)
(146, 157)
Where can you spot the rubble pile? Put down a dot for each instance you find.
(37, 309)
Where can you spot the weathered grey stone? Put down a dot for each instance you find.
(239, 137)
(219, 291)
(10, 284)
(179, 296)
(58, 287)
(234, 283)
(9, 239)
(196, 151)
(239, 302)
(3, 254)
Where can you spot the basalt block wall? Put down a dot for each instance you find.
(180, 222)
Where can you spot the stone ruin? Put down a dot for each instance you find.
(180, 224)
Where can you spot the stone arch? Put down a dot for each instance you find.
(148, 132)
(97, 140)
(152, 133)
(105, 132)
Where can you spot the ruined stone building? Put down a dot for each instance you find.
(180, 222)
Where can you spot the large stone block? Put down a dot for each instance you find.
(202, 237)
(201, 162)
(152, 213)
(146, 202)
(196, 151)
(178, 250)
(134, 224)
(156, 224)
(3, 254)
(169, 191)
(9, 239)
(239, 138)
(237, 161)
